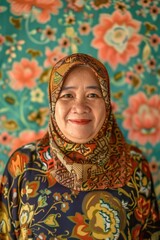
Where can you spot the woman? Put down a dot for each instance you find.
(82, 180)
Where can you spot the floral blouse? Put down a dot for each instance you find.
(34, 206)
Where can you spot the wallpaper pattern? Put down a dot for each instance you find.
(124, 35)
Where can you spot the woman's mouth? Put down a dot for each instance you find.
(79, 121)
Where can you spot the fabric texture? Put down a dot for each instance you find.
(56, 189)
(33, 205)
(124, 35)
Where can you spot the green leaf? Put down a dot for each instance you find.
(51, 221)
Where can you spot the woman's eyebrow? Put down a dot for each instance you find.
(74, 87)
(94, 87)
(68, 87)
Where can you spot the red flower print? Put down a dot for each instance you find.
(64, 206)
(64, 42)
(84, 29)
(117, 38)
(139, 68)
(53, 56)
(136, 232)
(17, 164)
(145, 3)
(80, 229)
(151, 63)
(31, 189)
(142, 118)
(5, 138)
(24, 74)
(154, 10)
(57, 196)
(75, 5)
(154, 40)
(40, 9)
(143, 209)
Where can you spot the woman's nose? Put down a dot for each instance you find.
(80, 106)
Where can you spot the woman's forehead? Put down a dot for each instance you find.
(80, 74)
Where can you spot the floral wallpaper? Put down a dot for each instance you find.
(124, 35)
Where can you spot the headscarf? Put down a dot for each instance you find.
(103, 162)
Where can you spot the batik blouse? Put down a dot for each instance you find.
(57, 189)
(35, 206)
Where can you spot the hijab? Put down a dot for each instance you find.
(103, 162)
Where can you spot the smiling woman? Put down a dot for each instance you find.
(77, 110)
(82, 180)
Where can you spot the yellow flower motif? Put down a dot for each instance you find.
(103, 217)
(70, 32)
(37, 95)
(26, 214)
(144, 181)
(4, 220)
(104, 213)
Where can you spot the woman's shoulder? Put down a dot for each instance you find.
(28, 149)
(137, 153)
(21, 158)
(139, 160)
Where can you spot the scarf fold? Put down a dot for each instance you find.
(105, 161)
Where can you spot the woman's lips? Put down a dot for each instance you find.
(79, 121)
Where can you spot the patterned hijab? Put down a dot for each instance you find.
(103, 162)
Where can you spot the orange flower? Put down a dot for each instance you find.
(53, 56)
(24, 74)
(142, 118)
(117, 38)
(5, 138)
(143, 209)
(80, 229)
(17, 164)
(40, 9)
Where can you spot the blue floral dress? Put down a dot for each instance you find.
(33, 205)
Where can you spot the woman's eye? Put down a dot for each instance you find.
(93, 95)
(67, 95)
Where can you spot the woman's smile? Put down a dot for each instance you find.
(79, 121)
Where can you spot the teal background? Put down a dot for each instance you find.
(35, 34)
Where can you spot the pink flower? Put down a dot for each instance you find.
(26, 137)
(42, 9)
(154, 10)
(139, 68)
(5, 138)
(75, 5)
(145, 3)
(117, 38)
(64, 42)
(142, 118)
(53, 56)
(24, 74)
(154, 40)
(84, 28)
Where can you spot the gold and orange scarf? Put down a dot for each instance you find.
(104, 162)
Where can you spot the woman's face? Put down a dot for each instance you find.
(80, 109)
